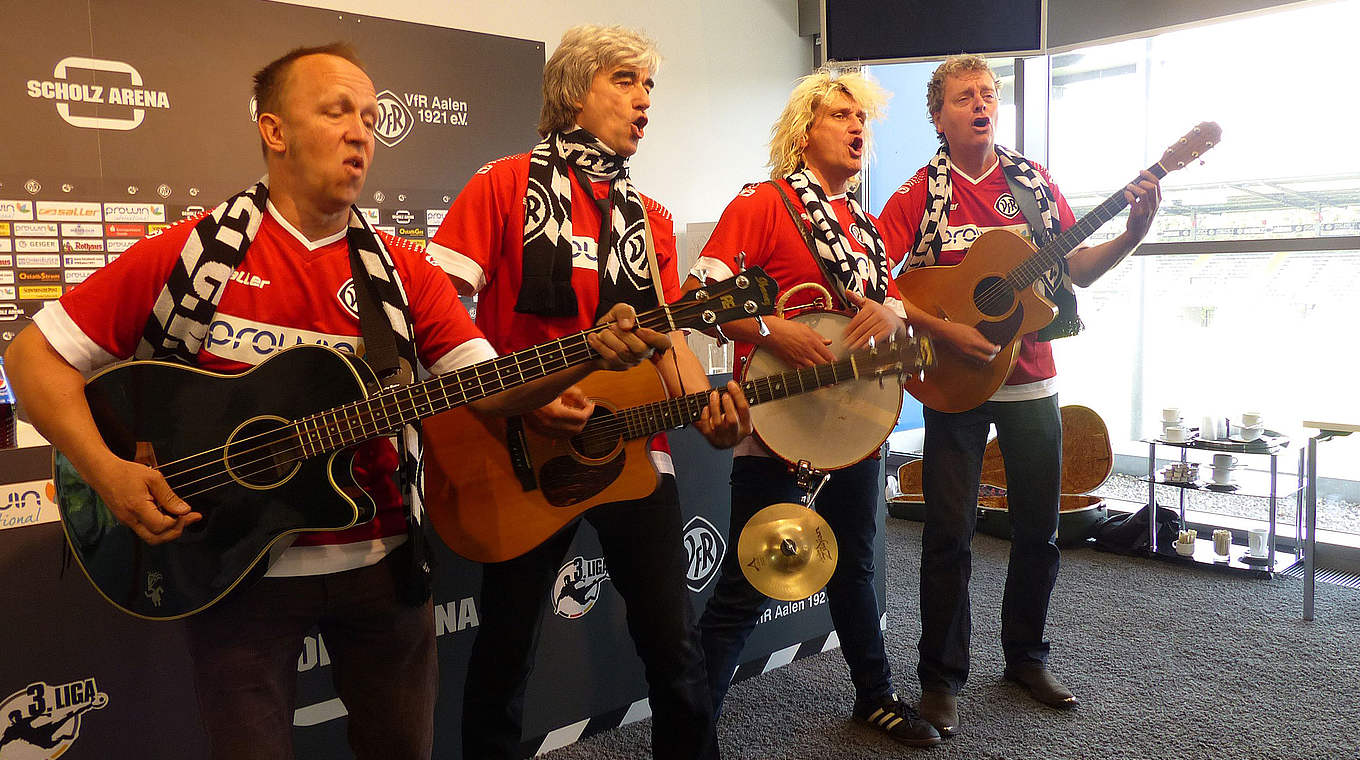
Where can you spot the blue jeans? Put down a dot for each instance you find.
(1030, 436)
(849, 503)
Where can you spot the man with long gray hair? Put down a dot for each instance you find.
(545, 238)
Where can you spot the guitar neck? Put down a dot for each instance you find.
(1055, 250)
(649, 419)
(389, 410)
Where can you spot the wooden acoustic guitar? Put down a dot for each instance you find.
(996, 289)
(494, 488)
(267, 453)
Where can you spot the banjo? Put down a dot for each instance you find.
(833, 427)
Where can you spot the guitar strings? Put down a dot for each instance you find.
(390, 399)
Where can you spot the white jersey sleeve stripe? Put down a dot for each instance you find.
(457, 265)
(465, 354)
(68, 339)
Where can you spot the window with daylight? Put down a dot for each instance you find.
(1234, 301)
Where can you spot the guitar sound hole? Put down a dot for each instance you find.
(600, 438)
(993, 296)
(262, 453)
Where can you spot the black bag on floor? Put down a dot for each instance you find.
(1127, 533)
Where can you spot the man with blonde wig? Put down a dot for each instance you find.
(817, 149)
(972, 186)
(546, 239)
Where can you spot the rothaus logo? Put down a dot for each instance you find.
(1006, 206)
(394, 119)
(704, 551)
(65, 92)
(577, 587)
(43, 720)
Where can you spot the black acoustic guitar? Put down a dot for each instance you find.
(266, 453)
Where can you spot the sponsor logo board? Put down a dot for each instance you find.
(39, 292)
(34, 229)
(435, 216)
(8, 293)
(118, 245)
(6, 246)
(16, 210)
(134, 212)
(41, 275)
(69, 211)
(125, 230)
(37, 261)
(77, 276)
(6, 276)
(82, 245)
(93, 261)
(82, 229)
(34, 245)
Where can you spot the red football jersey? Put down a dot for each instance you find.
(979, 205)
(287, 291)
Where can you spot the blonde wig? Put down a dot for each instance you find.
(788, 136)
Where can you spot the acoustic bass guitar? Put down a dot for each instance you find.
(267, 453)
(995, 290)
(495, 489)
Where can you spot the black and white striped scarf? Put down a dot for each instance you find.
(621, 256)
(185, 306)
(1057, 282)
(833, 247)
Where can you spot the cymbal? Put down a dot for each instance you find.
(787, 551)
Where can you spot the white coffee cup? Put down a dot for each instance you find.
(1222, 476)
(1251, 419)
(1174, 434)
(1224, 461)
(1171, 414)
(1258, 540)
(1250, 433)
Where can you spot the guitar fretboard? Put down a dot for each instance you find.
(387, 411)
(647, 419)
(1054, 250)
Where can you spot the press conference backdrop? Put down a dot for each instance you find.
(124, 116)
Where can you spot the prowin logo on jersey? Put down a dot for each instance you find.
(86, 97)
(704, 551)
(1006, 206)
(394, 119)
(42, 721)
(578, 586)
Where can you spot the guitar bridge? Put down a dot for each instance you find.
(518, 447)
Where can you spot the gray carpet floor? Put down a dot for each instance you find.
(1167, 662)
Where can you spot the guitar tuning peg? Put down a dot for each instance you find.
(741, 260)
(720, 336)
(761, 327)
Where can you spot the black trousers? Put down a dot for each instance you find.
(644, 552)
(1030, 436)
(245, 654)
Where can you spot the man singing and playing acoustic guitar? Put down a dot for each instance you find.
(280, 258)
(544, 238)
(815, 233)
(972, 186)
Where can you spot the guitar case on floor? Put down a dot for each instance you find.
(1087, 462)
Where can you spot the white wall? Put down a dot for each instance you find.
(728, 67)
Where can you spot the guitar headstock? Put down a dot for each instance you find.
(1189, 148)
(912, 355)
(749, 293)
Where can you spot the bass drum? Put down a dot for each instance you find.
(830, 428)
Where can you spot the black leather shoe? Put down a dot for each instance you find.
(897, 719)
(1042, 685)
(941, 710)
